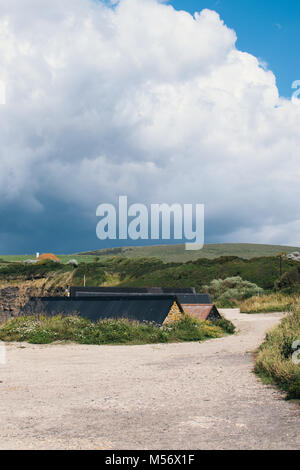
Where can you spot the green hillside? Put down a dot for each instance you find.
(264, 271)
(178, 254)
(171, 253)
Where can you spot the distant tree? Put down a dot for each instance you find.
(281, 256)
(232, 288)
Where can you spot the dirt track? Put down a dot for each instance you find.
(176, 396)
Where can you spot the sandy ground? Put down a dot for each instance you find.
(176, 396)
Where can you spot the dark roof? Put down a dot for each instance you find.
(94, 291)
(149, 307)
(194, 299)
(187, 295)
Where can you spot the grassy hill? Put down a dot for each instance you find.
(178, 254)
(147, 271)
(171, 253)
(52, 278)
(152, 272)
(4, 259)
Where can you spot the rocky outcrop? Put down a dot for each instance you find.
(8, 300)
(14, 297)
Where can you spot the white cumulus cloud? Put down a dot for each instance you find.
(140, 99)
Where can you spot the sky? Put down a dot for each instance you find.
(165, 102)
(268, 29)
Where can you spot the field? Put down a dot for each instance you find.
(273, 302)
(172, 253)
(4, 259)
(178, 254)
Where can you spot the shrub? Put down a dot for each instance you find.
(229, 291)
(43, 330)
(226, 325)
(274, 357)
(275, 302)
(262, 271)
(289, 280)
(32, 271)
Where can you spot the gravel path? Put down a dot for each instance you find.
(176, 396)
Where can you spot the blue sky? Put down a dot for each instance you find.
(145, 100)
(268, 29)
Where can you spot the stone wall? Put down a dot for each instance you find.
(8, 303)
(175, 314)
(14, 297)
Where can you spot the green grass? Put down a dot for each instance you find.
(273, 302)
(153, 272)
(63, 258)
(14, 271)
(169, 253)
(45, 330)
(178, 254)
(123, 269)
(274, 359)
(262, 271)
(226, 325)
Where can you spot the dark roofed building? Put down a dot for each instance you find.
(194, 298)
(147, 307)
(95, 291)
(155, 304)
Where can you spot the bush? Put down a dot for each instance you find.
(274, 357)
(43, 330)
(228, 292)
(275, 302)
(226, 325)
(289, 280)
(32, 271)
(262, 271)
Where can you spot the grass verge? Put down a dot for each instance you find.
(45, 330)
(275, 302)
(276, 357)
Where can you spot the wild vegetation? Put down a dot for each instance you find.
(178, 254)
(290, 280)
(122, 269)
(272, 302)
(261, 271)
(171, 253)
(276, 358)
(263, 283)
(45, 330)
(15, 271)
(231, 291)
(230, 280)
